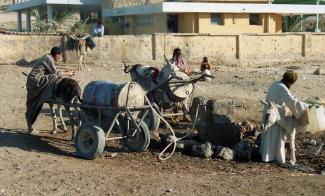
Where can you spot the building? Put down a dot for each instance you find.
(174, 16)
(199, 16)
(83, 7)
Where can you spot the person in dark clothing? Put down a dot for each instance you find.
(41, 84)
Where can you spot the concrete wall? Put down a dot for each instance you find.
(231, 49)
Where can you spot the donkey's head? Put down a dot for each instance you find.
(68, 89)
(270, 116)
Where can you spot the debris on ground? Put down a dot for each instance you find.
(294, 67)
(246, 151)
(317, 71)
(313, 142)
(203, 150)
(224, 153)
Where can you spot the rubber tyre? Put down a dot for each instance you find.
(151, 119)
(140, 141)
(89, 141)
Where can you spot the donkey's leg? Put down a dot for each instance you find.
(61, 118)
(293, 147)
(84, 61)
(320, 145)
(55, 125)
(73, 133)
(81, 61)
(78, 55)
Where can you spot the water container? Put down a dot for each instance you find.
(102, 93)
(316, 118)
(90, 42)
(107, 93)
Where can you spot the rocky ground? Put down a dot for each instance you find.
(45, 164)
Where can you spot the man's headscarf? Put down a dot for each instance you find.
(289, 77)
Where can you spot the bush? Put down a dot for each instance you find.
(45, 26)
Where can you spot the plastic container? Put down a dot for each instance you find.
(316, 119)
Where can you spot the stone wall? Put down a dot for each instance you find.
(232, 49)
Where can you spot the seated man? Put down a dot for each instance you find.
(41, 83)
(98, 29)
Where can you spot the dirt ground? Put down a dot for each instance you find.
(45, 164)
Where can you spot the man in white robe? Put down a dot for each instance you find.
(273, 138)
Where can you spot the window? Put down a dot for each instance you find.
(117, 19)
(93, 15)
(144, 20)
(254, 19)
(217, 19)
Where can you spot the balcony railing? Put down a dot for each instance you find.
(19, 1)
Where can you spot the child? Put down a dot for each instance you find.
(205, 68)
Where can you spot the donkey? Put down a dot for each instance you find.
(282, 115)
(144, 75)
(81, 50)
(68, 91)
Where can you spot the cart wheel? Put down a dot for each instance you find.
(140, 141)
(151, 119)
(89, 141)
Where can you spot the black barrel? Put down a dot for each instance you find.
(90, 42)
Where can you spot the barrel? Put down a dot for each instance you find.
(102, 93)
(90, 42)
(108, 93)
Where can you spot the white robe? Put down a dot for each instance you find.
(273, 139)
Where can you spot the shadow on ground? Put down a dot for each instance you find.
(17, 138)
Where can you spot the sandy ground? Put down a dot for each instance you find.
(45, 164)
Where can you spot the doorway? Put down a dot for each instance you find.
(172, 23)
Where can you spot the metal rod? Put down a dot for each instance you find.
(112, 125)
(176, 114)
(99, 117)
(133, 121)
(145, 114)
(116, 138)
(162, 84)
(317, 18)
(131, 108)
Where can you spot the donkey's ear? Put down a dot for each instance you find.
(263, 102)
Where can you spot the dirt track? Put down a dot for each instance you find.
(46, 165)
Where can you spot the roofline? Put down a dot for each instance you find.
(36, 3)
(185, 7)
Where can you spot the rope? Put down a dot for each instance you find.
(174, 139)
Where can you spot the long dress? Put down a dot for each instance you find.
(40, 85)
(273, 139)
